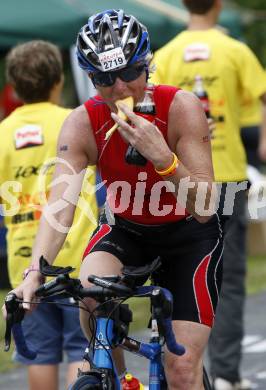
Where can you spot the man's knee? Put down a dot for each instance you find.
(182, 372)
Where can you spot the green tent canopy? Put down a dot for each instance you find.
(60, 20)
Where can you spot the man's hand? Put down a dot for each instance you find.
(145, 137)
(26, 291)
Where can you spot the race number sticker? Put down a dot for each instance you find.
(112, 59)
(197, 52)
(29, 135)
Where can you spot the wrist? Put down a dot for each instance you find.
(33, 272)
(169, 168)
(164, 162)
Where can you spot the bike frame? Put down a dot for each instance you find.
(111, 326)
(103, 355)
(102, 358)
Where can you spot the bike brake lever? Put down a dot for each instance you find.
(62, 285)
(15, 315)
(53, 287)
(162, 302)
(41, 292)
(8, 333)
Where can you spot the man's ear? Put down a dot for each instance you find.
(90, 77)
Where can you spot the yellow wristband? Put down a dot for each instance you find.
(171, 169)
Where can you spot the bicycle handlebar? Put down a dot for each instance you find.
(161, 302)
(15, 314)
(66, 286)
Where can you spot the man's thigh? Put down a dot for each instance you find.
(99, 263)
(194, 279)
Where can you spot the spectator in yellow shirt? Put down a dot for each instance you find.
(28, 142)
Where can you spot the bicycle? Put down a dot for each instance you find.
(109, 323)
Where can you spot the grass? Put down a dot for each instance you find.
(256, 283)
(256, 275)
(141, 313)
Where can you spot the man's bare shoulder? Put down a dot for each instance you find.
(78, 118)
(184, 102)
(186, 119)
(77, 133)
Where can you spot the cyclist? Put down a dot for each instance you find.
(35, 70)
(143, 219)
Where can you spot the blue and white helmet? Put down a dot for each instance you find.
(112, 40)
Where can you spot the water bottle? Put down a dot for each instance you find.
(202, 94)
(131, 383)
(146, 109)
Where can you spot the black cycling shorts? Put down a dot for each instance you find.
(191, 255)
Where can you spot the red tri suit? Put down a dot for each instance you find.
(132, 199)
(148, 222)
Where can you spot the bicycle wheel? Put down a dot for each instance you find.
(87, 382)
(206, 381)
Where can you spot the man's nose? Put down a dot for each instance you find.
(119, 84)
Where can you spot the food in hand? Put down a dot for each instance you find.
(129, 102)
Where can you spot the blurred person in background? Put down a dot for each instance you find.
(29, 138)
(226, 68)
(251, 122)
(9, 101)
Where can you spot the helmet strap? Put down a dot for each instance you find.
(147, 72)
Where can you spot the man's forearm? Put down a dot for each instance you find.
(51, 237)
(195, 194)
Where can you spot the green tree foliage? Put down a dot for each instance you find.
(255, 4)
(255, 32)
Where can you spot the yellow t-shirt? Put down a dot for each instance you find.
(228, 68)
(251, 112)
(28, 140)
